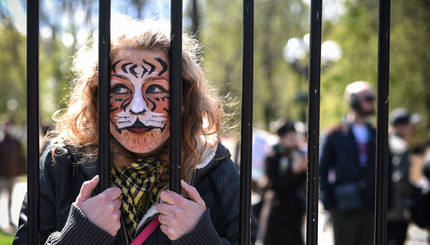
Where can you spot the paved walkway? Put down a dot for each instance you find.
(416, 235)
(18, 194)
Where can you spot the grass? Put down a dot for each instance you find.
(6, 238)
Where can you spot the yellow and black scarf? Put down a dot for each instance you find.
(141, 183)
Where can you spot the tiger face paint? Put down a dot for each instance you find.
(139, 99)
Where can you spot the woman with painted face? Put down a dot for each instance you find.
(73, 210)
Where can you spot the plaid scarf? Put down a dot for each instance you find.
(141, 183)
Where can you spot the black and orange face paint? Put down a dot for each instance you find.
(139, 100)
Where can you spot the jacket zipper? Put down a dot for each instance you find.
(124, 231)
(193, 177)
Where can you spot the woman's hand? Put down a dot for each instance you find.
(103, 209)
(179, 215)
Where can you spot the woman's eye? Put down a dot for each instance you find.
(155, 89)
(120, 90)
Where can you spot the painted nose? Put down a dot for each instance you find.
(138, 104)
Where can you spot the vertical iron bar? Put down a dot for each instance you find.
(313, 127)
(246, 128)
(175, 94)
(103, 92)
(33, 120)
(382, 123)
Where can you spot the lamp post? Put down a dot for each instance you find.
(296, 53)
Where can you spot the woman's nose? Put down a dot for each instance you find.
(138, 105)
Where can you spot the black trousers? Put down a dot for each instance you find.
(396, 232)
(353, 228)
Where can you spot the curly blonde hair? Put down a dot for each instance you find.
(77, 125)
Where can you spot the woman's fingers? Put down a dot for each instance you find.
(171, 197)
(87, 188)
(111, 193)
(192, 193)
(179, 215)
(103, 209)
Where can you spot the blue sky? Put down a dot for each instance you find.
(15, 8)
(155, 8)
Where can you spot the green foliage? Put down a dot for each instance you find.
(410, 60)
(357, 33)
(54, 66)
(13, 72)
(55, 77)
(223, 48)
(6, 239)
(275, 82)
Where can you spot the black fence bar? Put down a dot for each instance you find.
(382, 123)
(246, 127)
(175, 94)
(313, 122)
(33, 121)
(103, 92)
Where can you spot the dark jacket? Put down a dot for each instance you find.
(62, 222)
(339, 165)
(403, 190)
(419, 207)
(12, 161)
(283, 206)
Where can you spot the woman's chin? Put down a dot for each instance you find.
(148, 152)
(142, 144)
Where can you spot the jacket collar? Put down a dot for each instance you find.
(221, 153)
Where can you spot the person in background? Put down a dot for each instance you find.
(302, 133)
(419, 207)
(347, 169)
(282, 213)
(73, 208)
(12, 163)
(398, 217)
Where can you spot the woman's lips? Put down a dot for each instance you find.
(138, 127)
(138, 130)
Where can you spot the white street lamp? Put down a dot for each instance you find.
(296, 50)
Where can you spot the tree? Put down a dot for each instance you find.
(357, 33)
(275, 82)
(13, 78)
(410, 60)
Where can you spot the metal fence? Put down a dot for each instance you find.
(246, 123)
